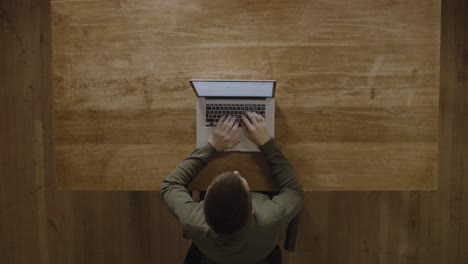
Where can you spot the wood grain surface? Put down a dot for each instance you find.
(357, 95)
(429, 227)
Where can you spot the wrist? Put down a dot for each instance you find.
(264, 141)
(213, 145)
(267, 144)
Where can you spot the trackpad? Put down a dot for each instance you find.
(245, 145)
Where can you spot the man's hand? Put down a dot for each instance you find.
(255, 128)
(225, 135)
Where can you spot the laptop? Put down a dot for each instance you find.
(216, 98)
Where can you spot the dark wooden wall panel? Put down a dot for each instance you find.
(19, 81)
(136, 227)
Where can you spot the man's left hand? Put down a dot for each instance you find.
(225, 135)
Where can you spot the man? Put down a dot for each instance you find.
(232, 225)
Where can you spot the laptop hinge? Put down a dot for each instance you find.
(235, 98)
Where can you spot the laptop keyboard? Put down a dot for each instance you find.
(215, 111)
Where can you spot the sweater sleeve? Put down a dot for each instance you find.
(291, 195)
(174, 186)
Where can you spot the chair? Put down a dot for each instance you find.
(194, 255)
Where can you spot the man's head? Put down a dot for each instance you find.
(227, 203)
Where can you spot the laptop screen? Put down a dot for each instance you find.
(225, 88)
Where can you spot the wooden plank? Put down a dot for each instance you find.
(360, 72)
(19, 234)
(339, 209)
(17, 147)
(41, 207)
(312, 236)
(63, 242)
(462, 81)
(429, 228)
(3, 134)
(369, 203)
(463, 255)
(353, 239)
(170, 234)
(446, 202)
(404, 228)
(414, 226)
(398, 236)
(146, 236)
(20, 243)
(384, 227)
(117, 227)
(35, 88)
(40, 82)
(96, 236)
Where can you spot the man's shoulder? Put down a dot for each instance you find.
(196, 223)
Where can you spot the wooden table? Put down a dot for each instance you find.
(357, 93)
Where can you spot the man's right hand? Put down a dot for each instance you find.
(255, 128)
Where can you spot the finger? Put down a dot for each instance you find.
(246, 132)
(253, 119)
(259, 118)
(220, 121)
(224, 123)
(235, 135)
(234, 128)
(230, 124)
(247, 123)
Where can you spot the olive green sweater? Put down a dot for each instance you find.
(261, 234)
